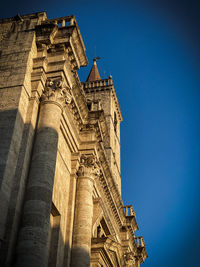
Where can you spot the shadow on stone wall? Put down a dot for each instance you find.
(16, 142)
(7, 123)
(77, 254)
(12, 128)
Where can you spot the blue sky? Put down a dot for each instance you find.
(152, 50)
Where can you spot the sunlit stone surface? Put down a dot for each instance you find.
(60, 181)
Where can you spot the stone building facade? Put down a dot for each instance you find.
(60, 182)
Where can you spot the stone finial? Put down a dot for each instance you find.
(89, 166)
(55, 91)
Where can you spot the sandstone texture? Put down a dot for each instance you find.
(60, 178)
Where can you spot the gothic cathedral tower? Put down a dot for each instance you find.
(101, 95)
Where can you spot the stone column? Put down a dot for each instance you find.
(82, 232)
(32, 247)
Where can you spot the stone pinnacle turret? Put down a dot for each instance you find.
(94, 73)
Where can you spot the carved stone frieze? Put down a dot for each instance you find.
(89, 166)
(56, 91)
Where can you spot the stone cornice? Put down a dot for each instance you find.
(107, 246)
(97, 123)
(54, 52)
(109, 188)
(63, 31)
(79, 107)
(113, 196)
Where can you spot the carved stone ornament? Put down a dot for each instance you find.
(89, 166)
(55, 91)
(129, 258)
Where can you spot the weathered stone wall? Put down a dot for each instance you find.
(60, 177)
(17, 120)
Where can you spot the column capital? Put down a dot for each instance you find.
(89, 166)
(56, 92)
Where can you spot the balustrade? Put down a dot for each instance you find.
(129, 211)
(139, 240)
(98, 84)
(63, 21)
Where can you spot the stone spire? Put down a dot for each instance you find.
(94, 73)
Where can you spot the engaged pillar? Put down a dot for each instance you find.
(32, 247)
(82, 231)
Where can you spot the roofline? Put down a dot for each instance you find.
(31, 15)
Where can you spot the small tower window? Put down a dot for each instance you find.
(115, 122)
